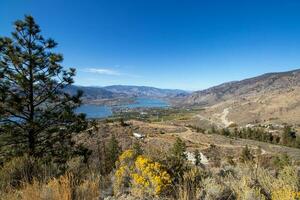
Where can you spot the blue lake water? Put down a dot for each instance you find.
(100, 111)
(95, 111)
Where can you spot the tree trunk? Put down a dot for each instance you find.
(31, 141)
(31, 132)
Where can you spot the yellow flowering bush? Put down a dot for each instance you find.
(285, 187)
(140, 175)
(285, 193)
(125, 166)
(149, 177)
(126, 156)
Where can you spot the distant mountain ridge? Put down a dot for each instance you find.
(269, 98)
(252, 86)
(91, 93)
(145, 91)
(125, 91)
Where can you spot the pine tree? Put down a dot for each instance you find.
(36, 116)
(176, 160)
(113, 151)
(197, 157)
(246, 154)
(137, 148)
(178, 149)
(288, 136)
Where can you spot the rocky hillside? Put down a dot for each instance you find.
(269, 98)
(282, 81)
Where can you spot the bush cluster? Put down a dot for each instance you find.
(140, 175)
(288, 136)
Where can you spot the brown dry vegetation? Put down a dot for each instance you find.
(224, 177)
(272, 107)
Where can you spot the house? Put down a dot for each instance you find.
(138, 135)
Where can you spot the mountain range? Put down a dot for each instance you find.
(271, 96)
(281, 81)
(126, 91)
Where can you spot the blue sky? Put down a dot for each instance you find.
(166, 43)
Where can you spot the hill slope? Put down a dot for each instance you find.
(281, 81)
(272, 97)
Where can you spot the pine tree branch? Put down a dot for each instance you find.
(47, 96)
(11, 121)
(15, 115)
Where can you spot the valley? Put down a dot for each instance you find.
(102, 124)
(162, 132)
(216, 121)
(269, 98)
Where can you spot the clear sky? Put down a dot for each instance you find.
(166, 43)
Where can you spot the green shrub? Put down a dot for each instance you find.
(246, 155)
(281, 161)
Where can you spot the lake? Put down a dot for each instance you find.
(100, 111)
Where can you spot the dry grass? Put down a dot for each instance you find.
(62, 188)
(190, 185)
(276, 106)
(226, 181)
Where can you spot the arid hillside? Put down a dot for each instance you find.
(271, 97)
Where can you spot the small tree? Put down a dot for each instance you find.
(176, 160)
(113, 151)
(246, 154)
(178, 149)
(123, 123)
(288, 136)
(137, 149)
(197, 157)
(36, 116)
